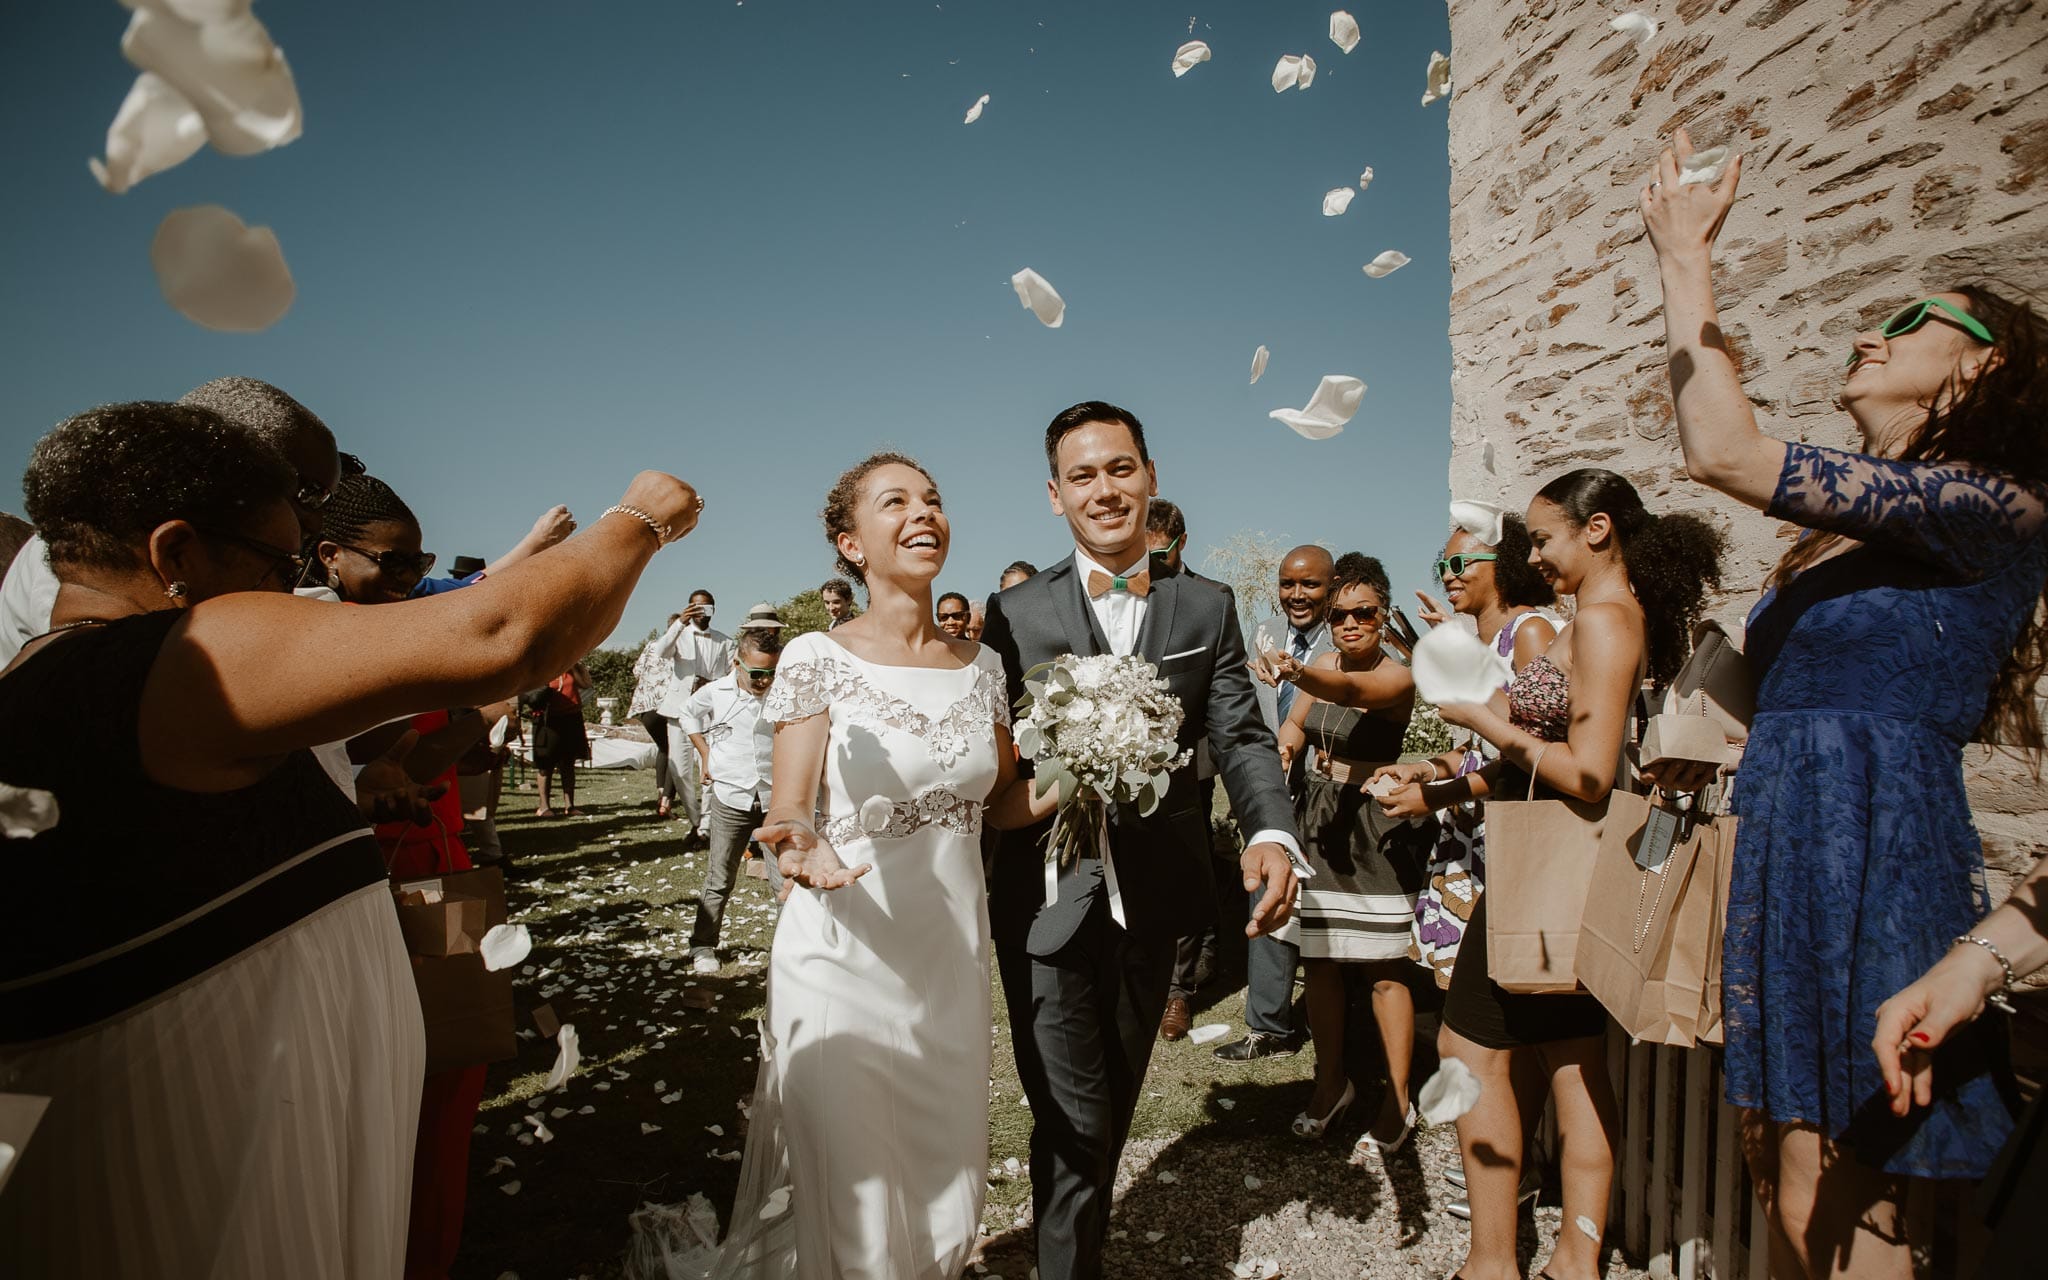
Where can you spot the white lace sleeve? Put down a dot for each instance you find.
(994, 687)
(800, 678)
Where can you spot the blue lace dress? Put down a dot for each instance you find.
(1857, 862)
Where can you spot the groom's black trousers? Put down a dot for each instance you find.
(1083, 1021)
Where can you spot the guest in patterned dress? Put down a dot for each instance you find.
(1637, 582)
(1857, 866)
(1352, 710)
(653, 675)
(211, 987)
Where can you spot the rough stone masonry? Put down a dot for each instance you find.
(1892, 148)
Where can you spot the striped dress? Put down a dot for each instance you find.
(1360, 904)
(212, 991)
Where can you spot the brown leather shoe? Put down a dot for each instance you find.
(1175, 1022)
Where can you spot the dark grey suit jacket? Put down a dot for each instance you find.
(1190, 633)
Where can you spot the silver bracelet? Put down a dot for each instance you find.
(1997, 999)
(1433, 771)
(660, 530)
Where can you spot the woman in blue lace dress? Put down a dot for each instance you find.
(1902, 625)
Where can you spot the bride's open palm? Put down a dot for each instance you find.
(806, 858)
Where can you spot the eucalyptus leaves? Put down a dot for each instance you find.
(1104, 730)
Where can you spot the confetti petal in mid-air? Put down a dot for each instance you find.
(568, 1056)
(1638, 27)
(1365, 179)
(1437, 80)
(1259, 358)
(218, 272)
(505, 945)
(1295, 71)
(1386, 264)
(1453, 1090)
(1482, 520)
(1453, 665)
(1703, 166)
(1185, 57)
(155, 129)
(1336, 200)
(25, 811)
(974, 112)
(1344, 31)
(1333, 404)
(775, 1205)
(228, 69)
(1040, 298)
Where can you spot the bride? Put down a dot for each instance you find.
(867, 1151)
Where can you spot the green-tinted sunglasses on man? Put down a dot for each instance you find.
(1920, 313)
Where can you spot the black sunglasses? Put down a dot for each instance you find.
(955, 616)
(290, 564)
(1365, 613)
(399, 564)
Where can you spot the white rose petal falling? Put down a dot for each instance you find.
(1259, 359)
(1453, 665)
(568, 1056)
(1452, 1091)
(1344, 31)
(1386, 264)
(1040, 298)
(1638, 27)
(1336, 200)
(1703, 166)
(221, 60)
(155, 129)
(220, 273)
(26, 811)
(974, 112)
(1436, 80)
(505, 945)
(1295, 71)
(1185, 57)
(1482, 520)
(1365, 179)
(1334, 403)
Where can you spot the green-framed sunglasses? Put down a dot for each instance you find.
(1458, 563)
(1912, 317)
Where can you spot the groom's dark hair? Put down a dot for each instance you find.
(1080, 416)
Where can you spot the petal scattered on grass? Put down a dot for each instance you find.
(220, 273)
(1436, 80)
(1185, 57)
(1344, 31)
(1386, 264)
(1335, 401)
(1040, 298)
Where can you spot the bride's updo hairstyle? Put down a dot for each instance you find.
(844, 499)
(1672, 560)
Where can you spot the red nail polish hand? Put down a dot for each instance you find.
(1921, 1037)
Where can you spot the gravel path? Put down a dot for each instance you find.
(1185, 1208)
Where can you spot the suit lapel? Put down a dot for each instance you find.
(1157, 629)
(1077, 619)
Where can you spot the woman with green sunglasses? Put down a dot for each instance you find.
(1903, 624)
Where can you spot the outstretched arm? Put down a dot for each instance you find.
(554, 526)
(1387, 685)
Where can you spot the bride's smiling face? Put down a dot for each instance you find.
(900, 529)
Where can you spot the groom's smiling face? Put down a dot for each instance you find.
(1101, 487)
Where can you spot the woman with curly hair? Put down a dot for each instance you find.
(1638, 581)
(1857, 866)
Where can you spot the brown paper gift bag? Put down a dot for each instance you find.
(1539, 862)
(466, 1007)
(1648, 940)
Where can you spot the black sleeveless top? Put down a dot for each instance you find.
(141, 887)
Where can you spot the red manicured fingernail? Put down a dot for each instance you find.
(1922, 1037)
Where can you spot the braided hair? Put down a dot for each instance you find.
(358, 503)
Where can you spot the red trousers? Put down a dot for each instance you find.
(440, 1171)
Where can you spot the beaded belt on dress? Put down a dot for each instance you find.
(880, 818)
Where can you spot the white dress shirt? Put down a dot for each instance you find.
(699, 653)
(1122, 617)
(742, 744)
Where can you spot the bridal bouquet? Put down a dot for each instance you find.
(1103, 730)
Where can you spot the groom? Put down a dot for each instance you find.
(1085, 975)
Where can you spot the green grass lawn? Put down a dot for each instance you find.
(609, 899)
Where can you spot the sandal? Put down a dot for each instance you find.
(543, 813)
(1369, 1145)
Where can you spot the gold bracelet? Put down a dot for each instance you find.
(660, 530)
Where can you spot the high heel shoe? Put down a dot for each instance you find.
(1305, 1126)
(1369, 1145)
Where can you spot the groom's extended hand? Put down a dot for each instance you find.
(806, 858)
(1268, 864)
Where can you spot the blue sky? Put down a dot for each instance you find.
(540, 247)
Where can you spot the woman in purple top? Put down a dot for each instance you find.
(1903, 624)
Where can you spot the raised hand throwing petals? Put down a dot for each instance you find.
(1040, 298)
(1702, 166)
(1335, 401)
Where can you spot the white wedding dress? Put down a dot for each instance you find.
(867, 1148)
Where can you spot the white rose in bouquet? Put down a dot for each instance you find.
(1103, 730)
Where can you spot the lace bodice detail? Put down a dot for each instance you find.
(880, 818)
(806, 684)
(1961, 518)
